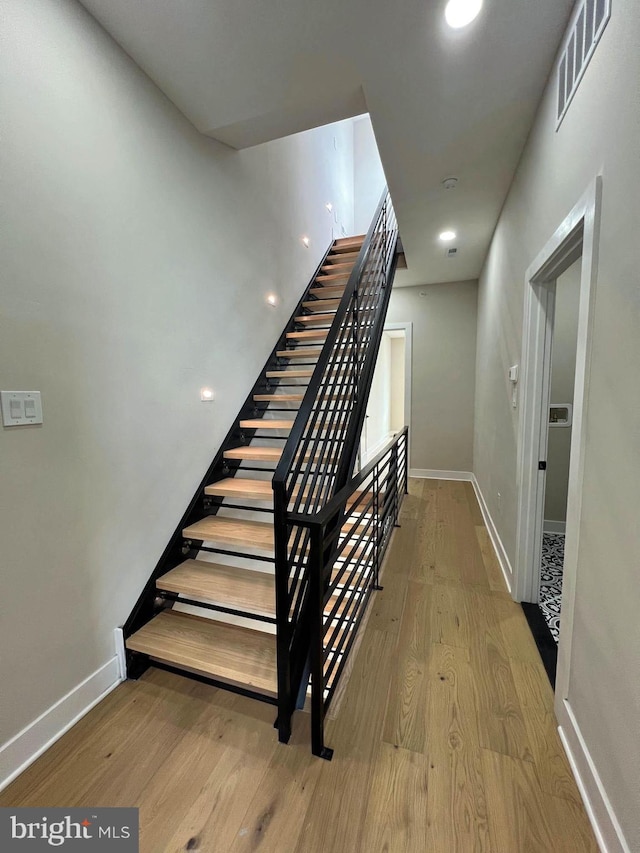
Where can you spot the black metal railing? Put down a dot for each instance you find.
(319, 456)
(348, 540)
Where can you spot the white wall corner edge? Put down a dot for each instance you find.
(496, 541)
(121, 653)
(429, 474)
(29, 744)
(604, 822)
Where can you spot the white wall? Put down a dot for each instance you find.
(369, 178)
(599, 134)
(563, 375)
(443, 371)
(135, 261)
(378, 420)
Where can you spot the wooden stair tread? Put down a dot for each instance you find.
(241, 487)
(291, 373)
(300, 352)
(228, 653)
(337, 268)
(325, 317)
(335, 277)
(328, 290)
(259, 454)
(308, 335)
(322, 305)
(229, 586)
(273, 398)
(231, 531)
(342, 257)
(330, 281)
(341, 242)
(250, 489)
(265, 423)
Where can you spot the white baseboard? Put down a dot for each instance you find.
(554, 526)
(498, 547)
(429, 474)
(605, 825)
(23, 749)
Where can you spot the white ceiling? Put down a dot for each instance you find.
(442, 102)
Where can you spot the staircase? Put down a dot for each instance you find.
(228, 602)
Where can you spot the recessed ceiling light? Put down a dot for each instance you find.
(447, 236)
(272, 299)
(459, 13)
(206, 394)
(306, 242)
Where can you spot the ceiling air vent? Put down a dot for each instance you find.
(587, 25)
(451, 252)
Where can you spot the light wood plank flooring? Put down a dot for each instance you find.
(445, 738)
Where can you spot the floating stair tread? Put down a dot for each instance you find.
(231, 531)
(229, 586)
(300, 352)
(266, 423)
(228, 653)
(295, 373)
(259, 454)
(308, 334)
(325, 317)
(258, 490)
(337, 268)
(330, 281)
(322, 305)
(282, 398)
(346, 242)
(327, 290)
(241, 487)
(342, 257)
(336, 277)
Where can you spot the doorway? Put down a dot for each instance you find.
(564, 339)
(575, 241)
(389, 405)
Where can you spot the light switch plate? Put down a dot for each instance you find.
(21, 407)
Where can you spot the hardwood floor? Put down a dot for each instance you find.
(445, 738)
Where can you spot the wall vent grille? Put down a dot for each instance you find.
(587, 25)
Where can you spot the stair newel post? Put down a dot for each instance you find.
(405, 453)
(376, 527)
(394, 482)
(283, 639)
(316, 636)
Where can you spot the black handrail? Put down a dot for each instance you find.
(327, 430)
(311, 393)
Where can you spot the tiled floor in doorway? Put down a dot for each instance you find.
(551, 580)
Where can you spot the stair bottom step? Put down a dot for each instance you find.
(237, 656)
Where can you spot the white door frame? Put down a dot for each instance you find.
(577, 236)
(407, 328)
